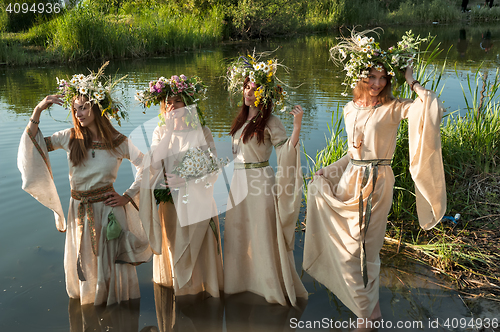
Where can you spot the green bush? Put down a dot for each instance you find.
(34, 12)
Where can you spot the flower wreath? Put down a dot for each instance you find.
(97, 88)
(261, 73)
(190, 89)
(365, 54)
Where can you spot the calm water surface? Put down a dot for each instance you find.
(32, 286)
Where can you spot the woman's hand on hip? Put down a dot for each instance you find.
(115, 199)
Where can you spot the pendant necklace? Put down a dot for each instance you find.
(235, 147)
(372, 110)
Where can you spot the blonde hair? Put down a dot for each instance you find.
(360, 91)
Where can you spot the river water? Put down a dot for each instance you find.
(32, 286)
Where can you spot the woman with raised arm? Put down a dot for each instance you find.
(178, 201)
(104, 236)
(263, 207)
(349, 200)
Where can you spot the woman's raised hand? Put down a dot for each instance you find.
(297, 113)
(48, 101)
(409, 74)
(44, 104)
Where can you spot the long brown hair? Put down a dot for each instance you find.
(385, 96)
(256, 125)
(80, 140)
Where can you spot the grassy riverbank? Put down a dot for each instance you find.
(466, 251)
(128, 29)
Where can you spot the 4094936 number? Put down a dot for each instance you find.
(35, 8)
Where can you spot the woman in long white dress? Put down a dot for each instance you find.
(104, 236)
(349, 200)
(185, 236)
(260, 226)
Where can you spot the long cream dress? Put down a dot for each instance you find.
(259, 232)
(188, 257)
(95, 267)
(332, 253)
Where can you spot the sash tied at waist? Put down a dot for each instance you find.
(251, 165)
(371, 167)
(86, 198)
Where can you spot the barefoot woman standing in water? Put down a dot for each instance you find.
(349, 200)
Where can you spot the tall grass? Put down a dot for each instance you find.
(336, 147)
(426, 11)
(85, 33)
(326, 14)
(485, 14)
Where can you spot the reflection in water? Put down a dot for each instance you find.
(244, 312)
(462, 43)
(190, 313)
(123, 317)
(486, 43)
(250, 312)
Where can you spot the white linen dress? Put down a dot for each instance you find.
(260, 230)
(332, 249)
(98, 270)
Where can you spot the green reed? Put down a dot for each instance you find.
(484, 14)
(336, 147)
(426, 11)
(85, 33)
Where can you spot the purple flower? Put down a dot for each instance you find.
(183, 77)
(158, 87)
(175, 78)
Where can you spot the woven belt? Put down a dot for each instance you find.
(371, 167)
(251, 165)
(86, 198)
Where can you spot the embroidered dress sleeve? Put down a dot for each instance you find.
(36, 172)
